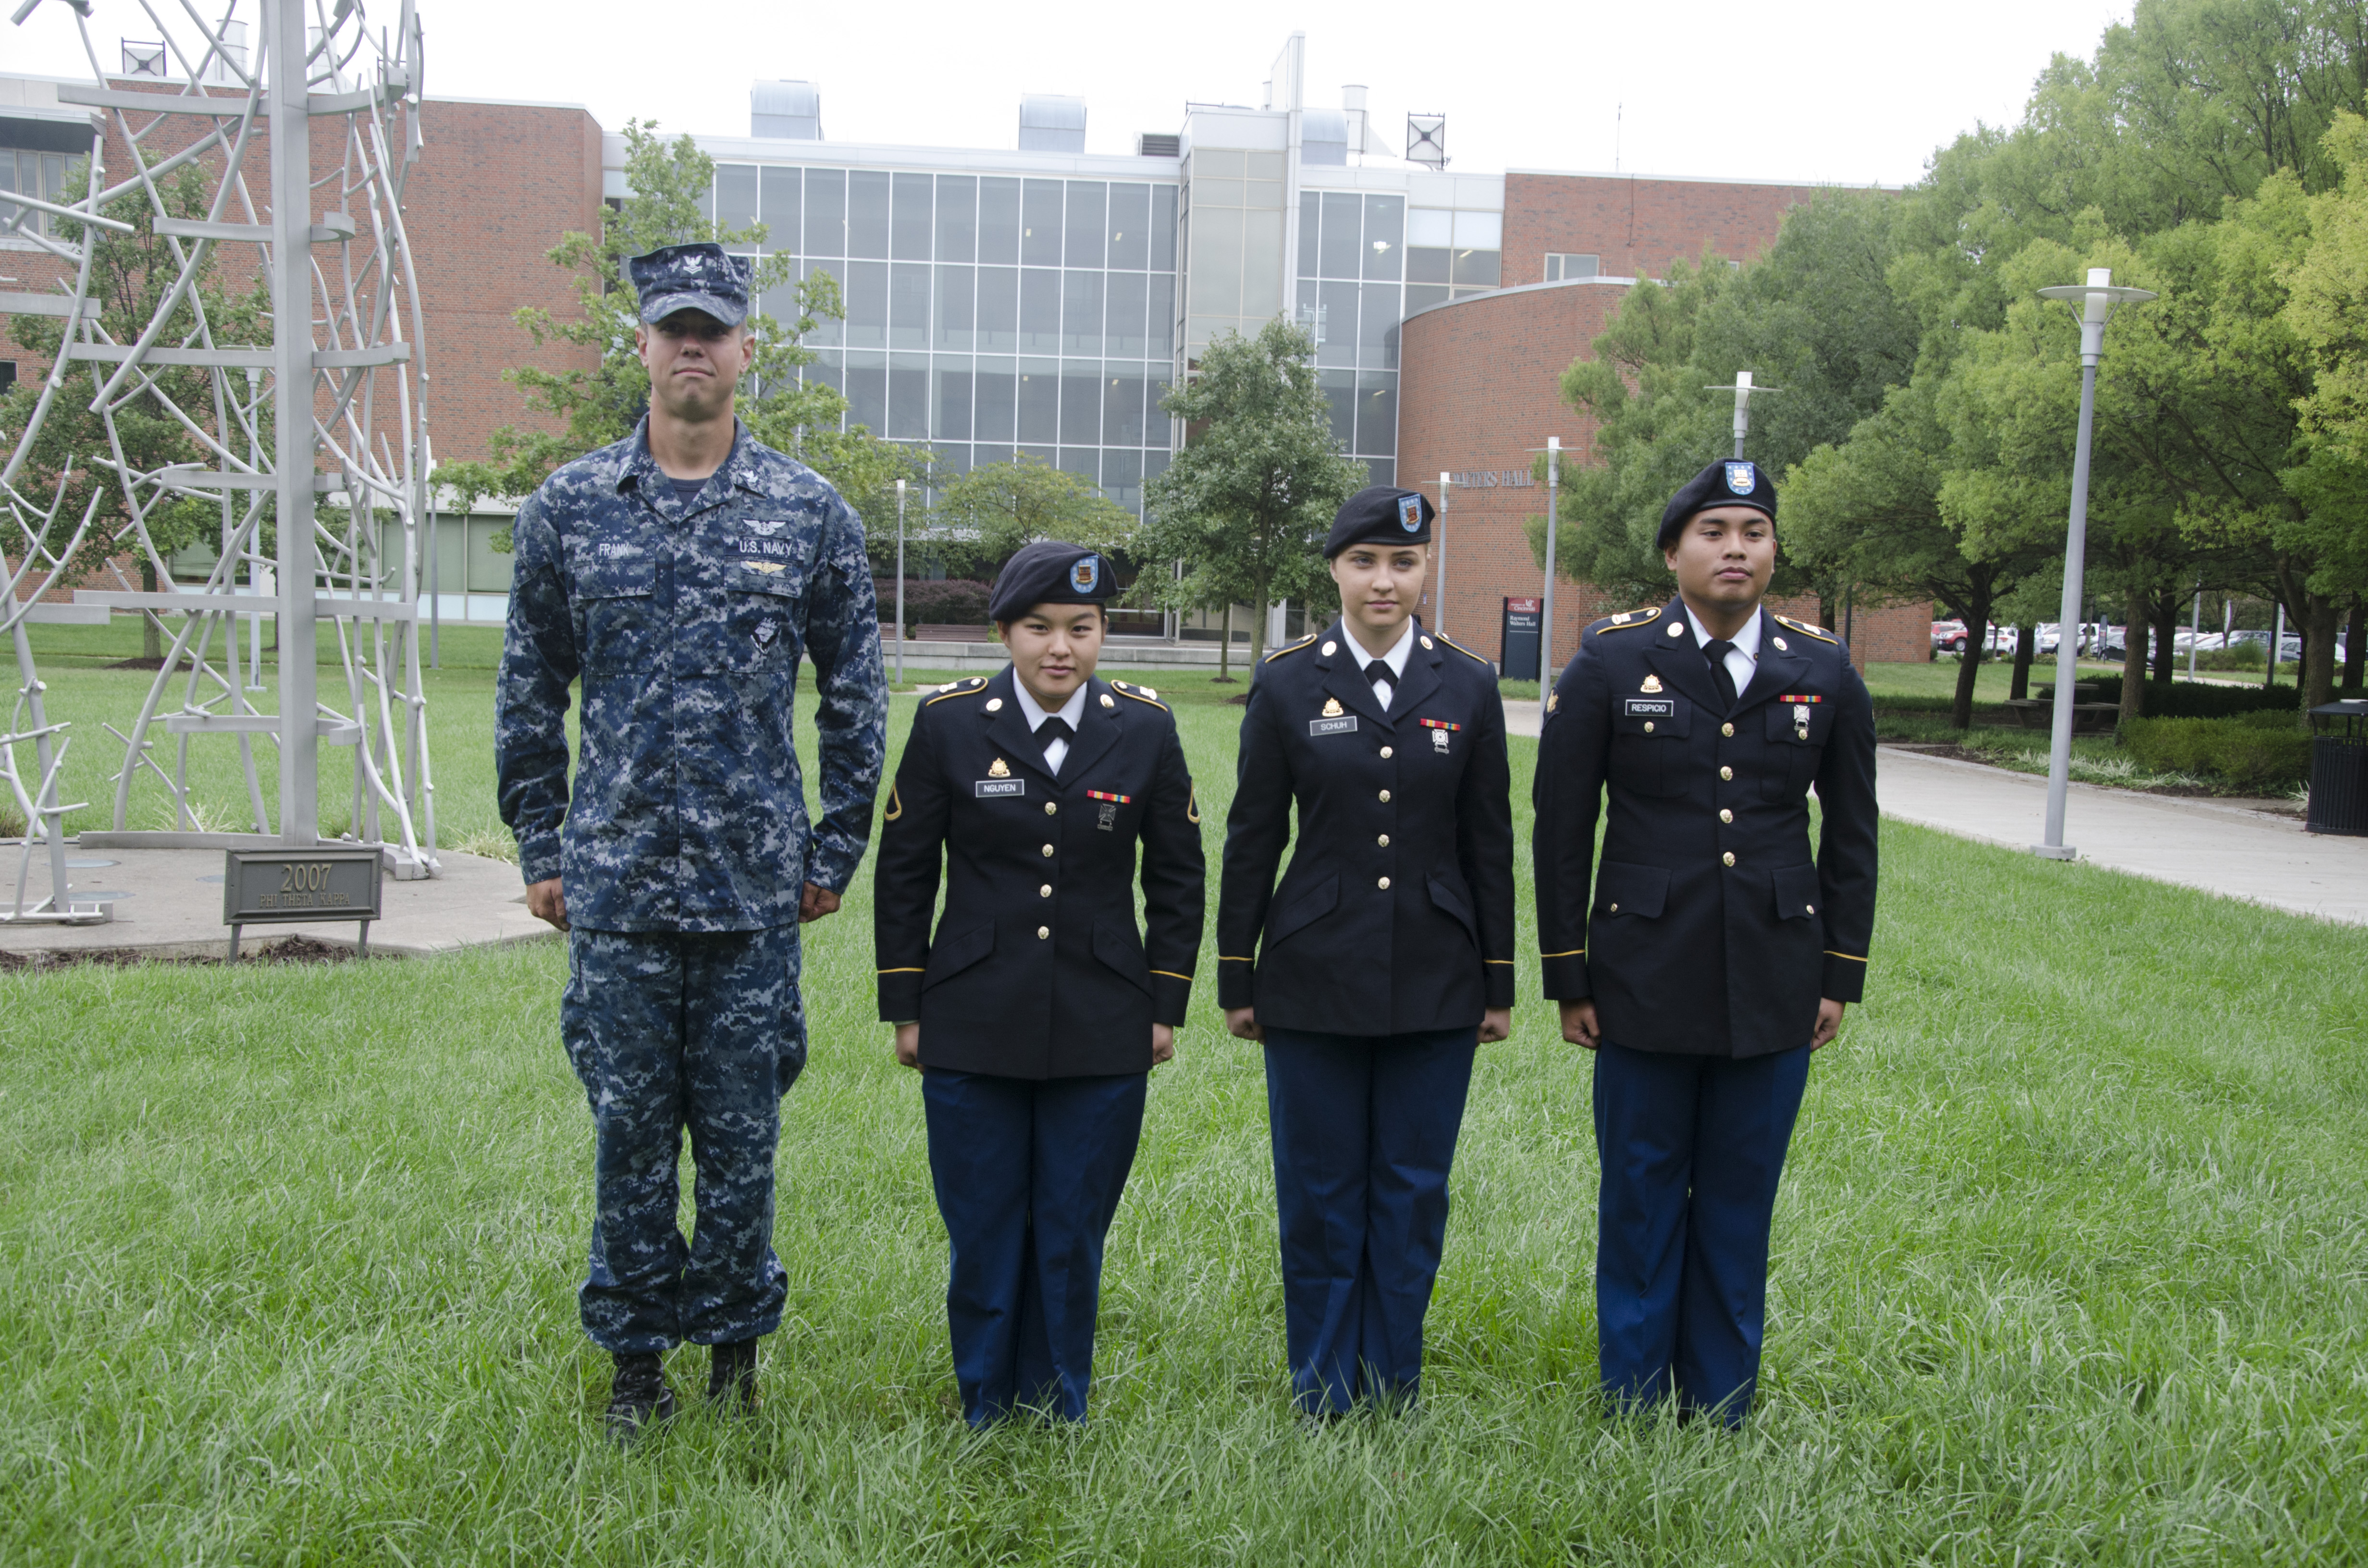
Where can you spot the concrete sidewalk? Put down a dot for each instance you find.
(2218, 846)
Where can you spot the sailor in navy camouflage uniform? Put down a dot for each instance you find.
(1037, 1008)
(1382, 959)
(683, 594)
(1707, 955)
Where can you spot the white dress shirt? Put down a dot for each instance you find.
(1742, 659)
(1071, 712)
(1396, 658)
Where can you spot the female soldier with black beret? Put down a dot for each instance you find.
(1383, 959)
(1038, 1009)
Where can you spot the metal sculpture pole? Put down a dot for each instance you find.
(291, 370)
(2096, 300)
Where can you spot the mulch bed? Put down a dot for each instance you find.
(288, 949)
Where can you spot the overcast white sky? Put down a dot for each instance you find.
(1849, 91)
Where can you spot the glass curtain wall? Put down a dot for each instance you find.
(1352, 276)
(985, 315)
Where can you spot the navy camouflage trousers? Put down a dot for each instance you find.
(676, 1031)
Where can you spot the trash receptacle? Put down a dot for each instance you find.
(2339, 768)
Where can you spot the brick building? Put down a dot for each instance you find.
(1043, 299)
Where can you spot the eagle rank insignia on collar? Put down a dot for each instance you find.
(998, 768)
(1652, 683)
(1332, 708)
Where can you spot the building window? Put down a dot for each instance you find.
(978, 269)
(1563, 265)
(50, 176)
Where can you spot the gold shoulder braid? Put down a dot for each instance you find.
(1805, 629)
(1627, 619)
(1290, 648)
(969, 687)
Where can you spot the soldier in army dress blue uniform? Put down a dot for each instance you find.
(1707, 955)
(1037, 1009)
(681, 574)
(1383, 957)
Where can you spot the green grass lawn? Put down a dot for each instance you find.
(2071, 1264)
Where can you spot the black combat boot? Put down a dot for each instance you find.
(732, 1377)
(640, 1397)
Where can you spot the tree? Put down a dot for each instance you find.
(988, 514)
(2324, 312)
(72, 457)
(1870, 509)
(1815, 316)
(668, 186)
(1247, 502)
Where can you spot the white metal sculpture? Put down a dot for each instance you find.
(329, 406)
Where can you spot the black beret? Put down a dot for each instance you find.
(1379, 514)
(1732, 483)
(1049, 572)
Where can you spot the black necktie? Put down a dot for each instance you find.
(1379, 670)
(1054, 729)
(1717, 652)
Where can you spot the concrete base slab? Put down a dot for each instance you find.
(169, 902)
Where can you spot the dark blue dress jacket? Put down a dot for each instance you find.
(1396, 912)
(1707, 929)
(1037, 969)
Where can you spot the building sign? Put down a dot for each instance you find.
(1518, 645)
(1494, 479)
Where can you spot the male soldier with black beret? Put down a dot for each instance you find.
(1714, 955)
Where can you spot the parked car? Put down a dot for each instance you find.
(1949, 637)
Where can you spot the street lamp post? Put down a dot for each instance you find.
(900, 582)
(2096, 300)
(1438, 581)
(1545, 621)
(1742, 388)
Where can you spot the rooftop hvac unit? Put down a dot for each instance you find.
(786, 110)
(1427, 140)
(1150, 144)
(1323, 136)
(230, 61)
(1051, 123)
(143, 59)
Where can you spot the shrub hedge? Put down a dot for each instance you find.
(951, 601)
(2195, 700)
(2251, 751)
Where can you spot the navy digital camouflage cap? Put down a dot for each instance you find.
(695, 276)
